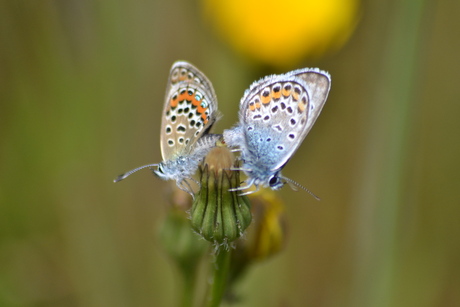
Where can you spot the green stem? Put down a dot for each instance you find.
(387, 155)
(220, 280)
(188, 290)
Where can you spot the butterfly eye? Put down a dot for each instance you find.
(274, 181)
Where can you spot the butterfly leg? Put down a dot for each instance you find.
(246, 170)
(196, 181)
(247, 186)
(188, 188)
(250, 191)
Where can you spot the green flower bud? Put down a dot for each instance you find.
(219, 214)
(177, 239)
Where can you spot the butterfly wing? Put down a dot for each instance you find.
(318, 86)
(189, 111)
(277, 113)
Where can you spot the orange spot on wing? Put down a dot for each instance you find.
(286, 92)
(295, 95)
(204, 117)
(195, 102)
(265, 99)
(301, 106)
(201, 110)
(257, 105)
(182, 77)
(276, 95)
(252, 107)
(173, 102)
(183, 96)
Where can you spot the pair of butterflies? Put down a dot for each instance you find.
(276, 113)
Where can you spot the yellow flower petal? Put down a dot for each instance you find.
(282, 32)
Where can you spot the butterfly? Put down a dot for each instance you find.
(276, 113)
(189, 111)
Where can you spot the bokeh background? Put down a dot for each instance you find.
(81, 93)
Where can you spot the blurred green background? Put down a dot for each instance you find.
(81, 93)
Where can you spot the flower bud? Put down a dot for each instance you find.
(176, 237)
(219, 214)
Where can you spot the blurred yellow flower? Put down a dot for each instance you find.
(281, 33)
(268, 234)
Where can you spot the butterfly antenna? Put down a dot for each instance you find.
(123, 176)
(294, 185)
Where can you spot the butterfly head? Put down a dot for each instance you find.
(272, 180)
(162, 171)
(275, 182)
(177, 169)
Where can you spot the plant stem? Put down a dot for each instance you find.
(221, 271)
(188, 290)
(387, 156)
